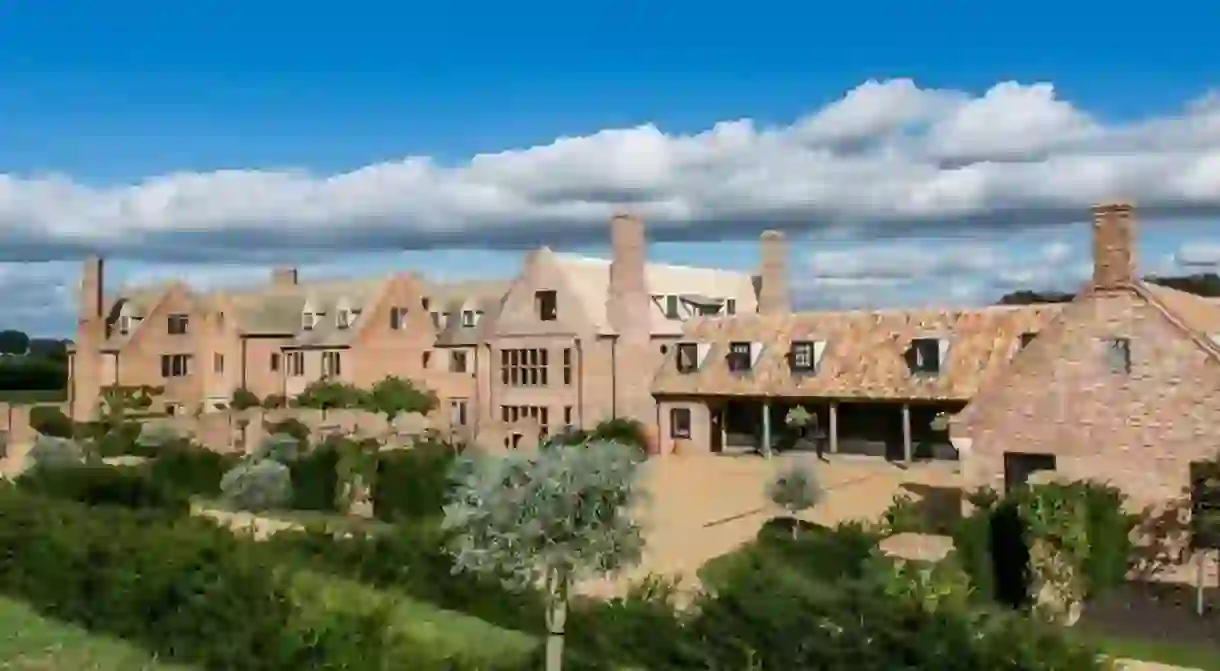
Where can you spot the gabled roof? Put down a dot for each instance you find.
(589, 279)
(864, 355)
(453, 298)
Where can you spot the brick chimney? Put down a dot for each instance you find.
(773, 296)
(92, 289)
(284, 276)
(1113, 245)
(628, 308)
(85, 363)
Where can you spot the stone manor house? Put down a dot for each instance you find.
(1122, 383)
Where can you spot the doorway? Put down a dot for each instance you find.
(1018, 466)
(717, 430)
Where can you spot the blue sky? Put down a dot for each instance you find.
(349, 130)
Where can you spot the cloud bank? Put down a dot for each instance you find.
(887, 158)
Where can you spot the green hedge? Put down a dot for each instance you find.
(104, 485)
(193, 470)
(196, 593)
(412, 484)
(411, 558)
(315, 478)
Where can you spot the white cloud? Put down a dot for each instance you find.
(887, 153)
(1199, 255)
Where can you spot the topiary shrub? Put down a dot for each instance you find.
(104, 485)
(120, 439)
(157, 436)
(795, 489)
(53, 452)
(257, 486)
(49, 420)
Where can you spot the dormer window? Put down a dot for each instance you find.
(436, 319)
(805, 356)
(124, 325)
(739, 358)
(730, 306)
(307, 321)
(468, 318)
(688, 357)
(546, 305)
(925, 356)
(343, 319)
(671, 307)
(1118, 354)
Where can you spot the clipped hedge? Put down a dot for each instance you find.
(315, 478)
(412, 484)
(411, 558)
(193, 470)
(196, 593)
(104, 485)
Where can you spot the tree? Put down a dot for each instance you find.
(327, 395)
(394, 396)
(550, 519)
(14, 342)
(795, 488)
(243, 399)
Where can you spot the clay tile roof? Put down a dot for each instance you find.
(864, 355)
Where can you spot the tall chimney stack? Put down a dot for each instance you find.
(1114, 241)
(92, 289)
(284, 276)
(628, 307)
(773, 295)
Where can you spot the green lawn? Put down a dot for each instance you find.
(31, 642)
(1174, 654)
(25, 396)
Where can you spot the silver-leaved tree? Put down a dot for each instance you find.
(550, 519)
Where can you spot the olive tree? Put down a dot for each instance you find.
(795, 488)
(550, 519)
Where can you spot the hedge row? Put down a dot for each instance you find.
(195, 593)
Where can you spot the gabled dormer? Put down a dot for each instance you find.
(805, 356)
(345, 316)
(127, 320)
(309, 316)
(689, 356)
(927, 355)
(743, 356)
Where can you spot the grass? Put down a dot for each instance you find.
(309, 519)
(26, 396)
(31, 642)
(1163, 652)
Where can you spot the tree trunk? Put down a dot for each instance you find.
(556, 618)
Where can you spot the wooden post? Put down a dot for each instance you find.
(906, 433)
(766, 429)
(834, 427)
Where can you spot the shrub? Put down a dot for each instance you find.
(620, 430)
(412, 484)
(315, 478)
(412, 558)
(186, 589)
(157, 436)
(1111, 547)
(281, 447)
(49, 420)
(275, 401)
(104, 485)
(121, 439)
(244, 399)
(53, 452)
(192, 470)
(291, 426)
(257, 485)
